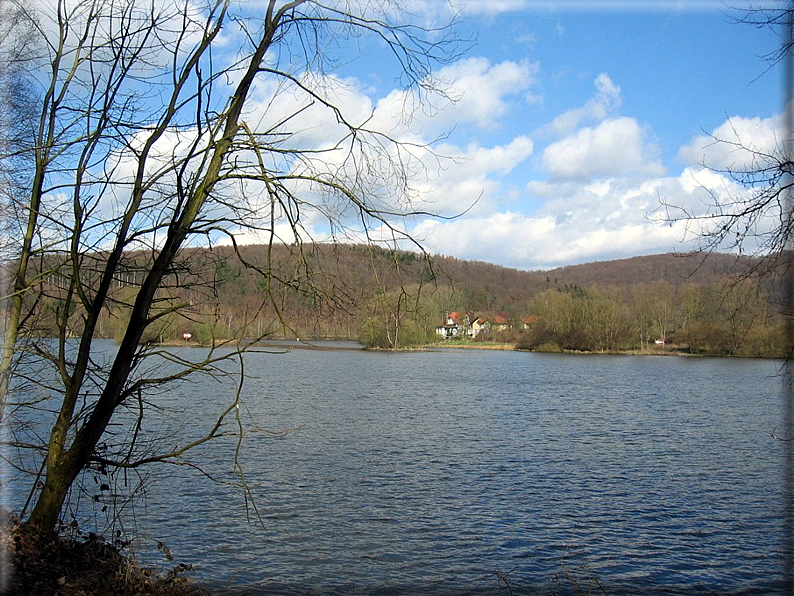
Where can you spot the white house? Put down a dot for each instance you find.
(456, 324)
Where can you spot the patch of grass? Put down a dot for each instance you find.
(549, 347)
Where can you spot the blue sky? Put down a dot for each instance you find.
(680, 71)
(575, 119)
(573, 123)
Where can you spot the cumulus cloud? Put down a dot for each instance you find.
(704, 197)
(445, 178)
(533, 242)
(500, 159)
(481, 93)
(597, 195)
(605, 103)
(471, 181)
(512, 236)
(602, 220)
(602, 180)
(478, 93)
(598, 183)
(733, 144)
(618, 146)
(282, 107)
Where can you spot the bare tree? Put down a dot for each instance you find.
(754, 215)
(752, 211)
(765, 15)
(18, 108)
(156, 132)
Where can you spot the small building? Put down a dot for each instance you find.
(490, 322)
(529, 321)
(456, 324)
(480, 325)
(500, 322)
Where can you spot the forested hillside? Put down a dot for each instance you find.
(675, 269)
(705, 303)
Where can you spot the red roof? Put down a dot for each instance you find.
(456, 317)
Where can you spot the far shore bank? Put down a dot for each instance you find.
(651, 351)
(321, 344)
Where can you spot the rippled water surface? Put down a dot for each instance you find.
(485, 472)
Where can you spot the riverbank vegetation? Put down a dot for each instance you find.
(70, 565)
(700, 304)
(731, 317)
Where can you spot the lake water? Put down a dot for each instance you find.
(478, 472)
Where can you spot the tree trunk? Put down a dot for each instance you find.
(44, 517)
(63, 466)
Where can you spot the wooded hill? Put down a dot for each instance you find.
(394, 298)
(676, 269)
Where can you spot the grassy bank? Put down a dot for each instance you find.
(471, 345)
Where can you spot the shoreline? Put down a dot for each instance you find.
(508, 347)
(291, 344)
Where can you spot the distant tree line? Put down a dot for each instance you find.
(393, 299)
(731, 317)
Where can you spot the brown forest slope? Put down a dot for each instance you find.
(700, 268)
(329, 289)
(361, 271)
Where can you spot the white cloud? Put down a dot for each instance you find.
(732, 144)
(481, 92)
(500, 159)
(614, 147)
(602, 220)
(512, 236)
(447, 179)
(543, 241)
(605, 103)
(473, 179)
(280, 105)
(703, 196)
(473, 92)
(694, 179)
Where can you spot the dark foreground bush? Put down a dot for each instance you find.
(40, 566)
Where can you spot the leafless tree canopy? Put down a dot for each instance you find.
(773, 16)
(751, 211)
(151, 127)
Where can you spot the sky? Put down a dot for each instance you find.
(575, 122)
(570, 131)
